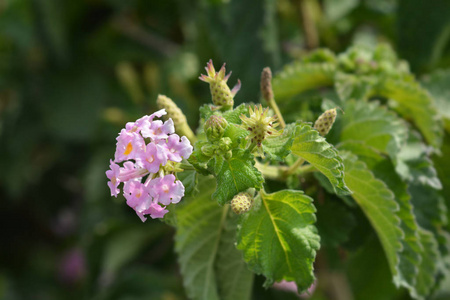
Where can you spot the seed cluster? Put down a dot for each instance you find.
(241, 203)
(326, 120)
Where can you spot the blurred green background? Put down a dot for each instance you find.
(72, 73)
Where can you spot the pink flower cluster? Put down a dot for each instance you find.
(145, 186)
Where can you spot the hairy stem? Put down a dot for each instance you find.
(295, 167)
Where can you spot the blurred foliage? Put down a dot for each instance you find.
(73, 72)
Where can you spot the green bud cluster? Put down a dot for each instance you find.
(215, 127)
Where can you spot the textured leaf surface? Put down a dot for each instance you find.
(309, 145)
(428, 266)
(212, 268)
(189, 180)
(299, 77)
(372, 124)
(379, 205)
(235, 175)
(278, 239)
(410, 256)
(278, 147)
(414, 102)
(438, 84)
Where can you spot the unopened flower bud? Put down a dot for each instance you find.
(225, 144)
(209, 149)
(325, 121)
(221, 94)
(175, 113)
(266, 84)
(241, 203)
(215, 127)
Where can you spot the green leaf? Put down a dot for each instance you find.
(442, 164)
(438, 83)
(235, 175)
(298, 77)
(378, 203)
(410, 256)
(375, 126)
(352, 86)
(198, 159)
(236, 134)
(425, 280)
(278, 147)
(189, 180)
(212, 268)
(308, 144)
(369, 274)
(415, 103)
(278, 239)
(232, 272)
(414, 165)
(233, 116)
(431, 212)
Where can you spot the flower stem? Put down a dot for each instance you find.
(294, 168)
(186, 166)
(271, 172)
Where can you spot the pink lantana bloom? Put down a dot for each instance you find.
(155, 211)
(153, 157)
(145, 147)
(129, 146)
(158, 130)
(166, 190)
(177, 150)
(136, 194)
(113, 175)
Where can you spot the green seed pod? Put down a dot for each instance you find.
(215, 127)
(324, 123)
(241, 203)
(175, 113)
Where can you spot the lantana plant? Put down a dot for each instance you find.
(240, 190)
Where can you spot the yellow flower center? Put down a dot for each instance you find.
(128, 149)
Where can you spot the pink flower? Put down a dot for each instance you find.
(153, 157)
(136, 195)
(113, 175)
(129, 145)
(166, 190)
(131, 171)
(141, 159)
(291, 286)
(156, 211)
(177, 150)
(144, 121)
(158, 130)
